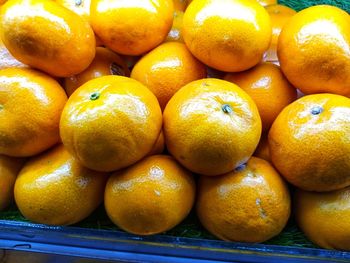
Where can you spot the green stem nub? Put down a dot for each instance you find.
(226, 108)
(316, 110)
(78, 2)
(94, 96)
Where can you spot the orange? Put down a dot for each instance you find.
(7, 60)
(211, 126)
(324, 217)
(30, 107)
(269, 89)
(309, 142)
(180, 5)
(166, 69)
(45, 35)
(110, 123)
(279, 15)
(80, 7)
(151, 196)
(132, 27)
(55, 189)
(267, 2)
(314, 50)
(175, 33)
(105, 63)
(228, 35)
(9, 168)
(159, 146)
(263, 151)
(250, 204)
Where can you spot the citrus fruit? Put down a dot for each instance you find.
(309, 142)
(9, 168)
(105, 63)
(30, 107)
(250, 204)
(159, 146)
(110, 122)
(314, 49)
(175, 33)
(7, 60)
(228, 35)
(55, 189)
(180, 5)
(80, 7)
(263, 151)
(267, 2)
(323, 217)
(151, 196)
(279, 15)
(267, 86)
(47, 36)
(166, 69)
(131, 27)
(211, 126)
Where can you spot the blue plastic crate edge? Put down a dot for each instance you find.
(111, 245)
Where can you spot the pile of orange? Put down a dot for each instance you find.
(128, 102)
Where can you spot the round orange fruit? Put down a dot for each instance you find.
(132, 27)
(267, 86)
(323, 217)
(110, 123)
(267, 2)
(314, 50)
(211, 126)
(180, 5)
(228, 35)
(105, 63)
(309, 142)
(279, 15)
(55, 189)
(166, 69)
(151, 196)
(47, 36)
(80, 7)
(175, 33)
(30, 107)
(159, 146)
(263, 151)
(9, 168)
(250, 204)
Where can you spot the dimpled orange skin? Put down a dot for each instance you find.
(314, 50)
(324, 217)
(31, 104)
(267, 86)
(7, 60)
(279, 15)
(310, 142)
(159, 146)
(249, 205)
(228, 35)
(47, 36)
(175, 33)
(54, 189)
(211, 126)
(110, 122)
(151, 196)
(131, 27)
(9, 168)
(166, 69)
(105, 63)
(263, 151)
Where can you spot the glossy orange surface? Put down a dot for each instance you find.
(314, 50)
(9, 168)
(80, 7)
(30, 107)
(228, 35)
(47, 36)
(323, 217)
(55, 189)
(263, 151)
(268, 87)
(250, 204)
(166, 69)
(175, 33)
(211, 126)
(158, 147)
(105, 63)
(110, 123)
(151, 196)
(310, 142)
(131, 27)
